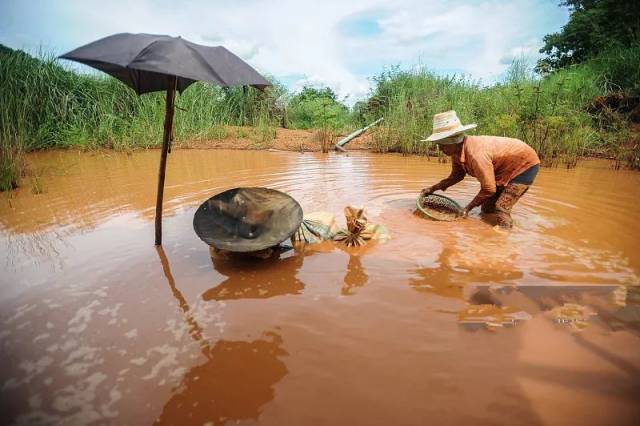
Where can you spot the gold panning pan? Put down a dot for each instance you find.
(439, 207)
(247, 219)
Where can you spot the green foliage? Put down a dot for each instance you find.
(317, 108)
(51, 107)
(47, 106)
(11, 160)
(550, 114)
(264, 129)
(594, 27)
(360, 114)
(618, 69)
(309, 93)
(408, 101)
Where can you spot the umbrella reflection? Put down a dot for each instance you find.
(234, 383)
(195, 331)
(251, 278)
(236, 380)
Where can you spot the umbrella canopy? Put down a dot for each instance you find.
(149, 63)
(247, 219)
(143, 61)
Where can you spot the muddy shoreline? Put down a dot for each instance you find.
(299, 140)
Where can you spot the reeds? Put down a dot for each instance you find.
(44, 105)
(532, 110)
(550, 113)
(11, 160)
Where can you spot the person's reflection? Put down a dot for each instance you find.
(442, 279)
(451, 274)
(252, 278)
(235, 381)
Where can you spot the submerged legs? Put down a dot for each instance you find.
(505, 201)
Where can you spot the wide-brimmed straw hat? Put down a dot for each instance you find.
(445, 125)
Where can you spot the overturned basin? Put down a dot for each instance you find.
(247, 219)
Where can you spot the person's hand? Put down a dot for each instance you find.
(464, 213)
(429, 190)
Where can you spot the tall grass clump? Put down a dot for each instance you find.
(45, 106)
(51, 107)
(584, 109)
(551, 113)
(617, 111)
(264, 124)
(11, 159)
(57, 108)
(408, 100)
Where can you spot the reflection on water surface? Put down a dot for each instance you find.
(444, 323)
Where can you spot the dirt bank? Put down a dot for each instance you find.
(248, 138)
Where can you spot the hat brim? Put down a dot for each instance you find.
(438, 137)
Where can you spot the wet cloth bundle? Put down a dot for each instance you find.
(358, 230)
(316, 227)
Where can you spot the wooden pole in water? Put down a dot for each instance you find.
(166, 140)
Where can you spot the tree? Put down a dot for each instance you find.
(594, 26)
(317, 108)
(309, 93)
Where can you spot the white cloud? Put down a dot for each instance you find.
(528, 51)
(304, 38)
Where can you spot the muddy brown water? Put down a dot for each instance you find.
(446, 323)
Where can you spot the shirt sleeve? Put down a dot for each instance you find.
(457, 174)
(483, 168)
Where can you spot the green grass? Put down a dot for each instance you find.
(56, 108)
(46, 106)
(11, 160)
(264, 130)
(549, 113)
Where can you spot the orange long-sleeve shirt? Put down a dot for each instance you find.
(493, 160)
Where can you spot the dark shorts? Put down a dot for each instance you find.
(528, 176)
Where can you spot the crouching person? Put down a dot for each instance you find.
(505, 167)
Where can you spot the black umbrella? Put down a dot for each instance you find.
(149, 63)
(247, 219)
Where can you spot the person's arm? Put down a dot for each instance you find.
(457, 174)
(483, 167)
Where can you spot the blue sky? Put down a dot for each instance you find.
(336, 43)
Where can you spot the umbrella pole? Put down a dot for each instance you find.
(168, 126)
